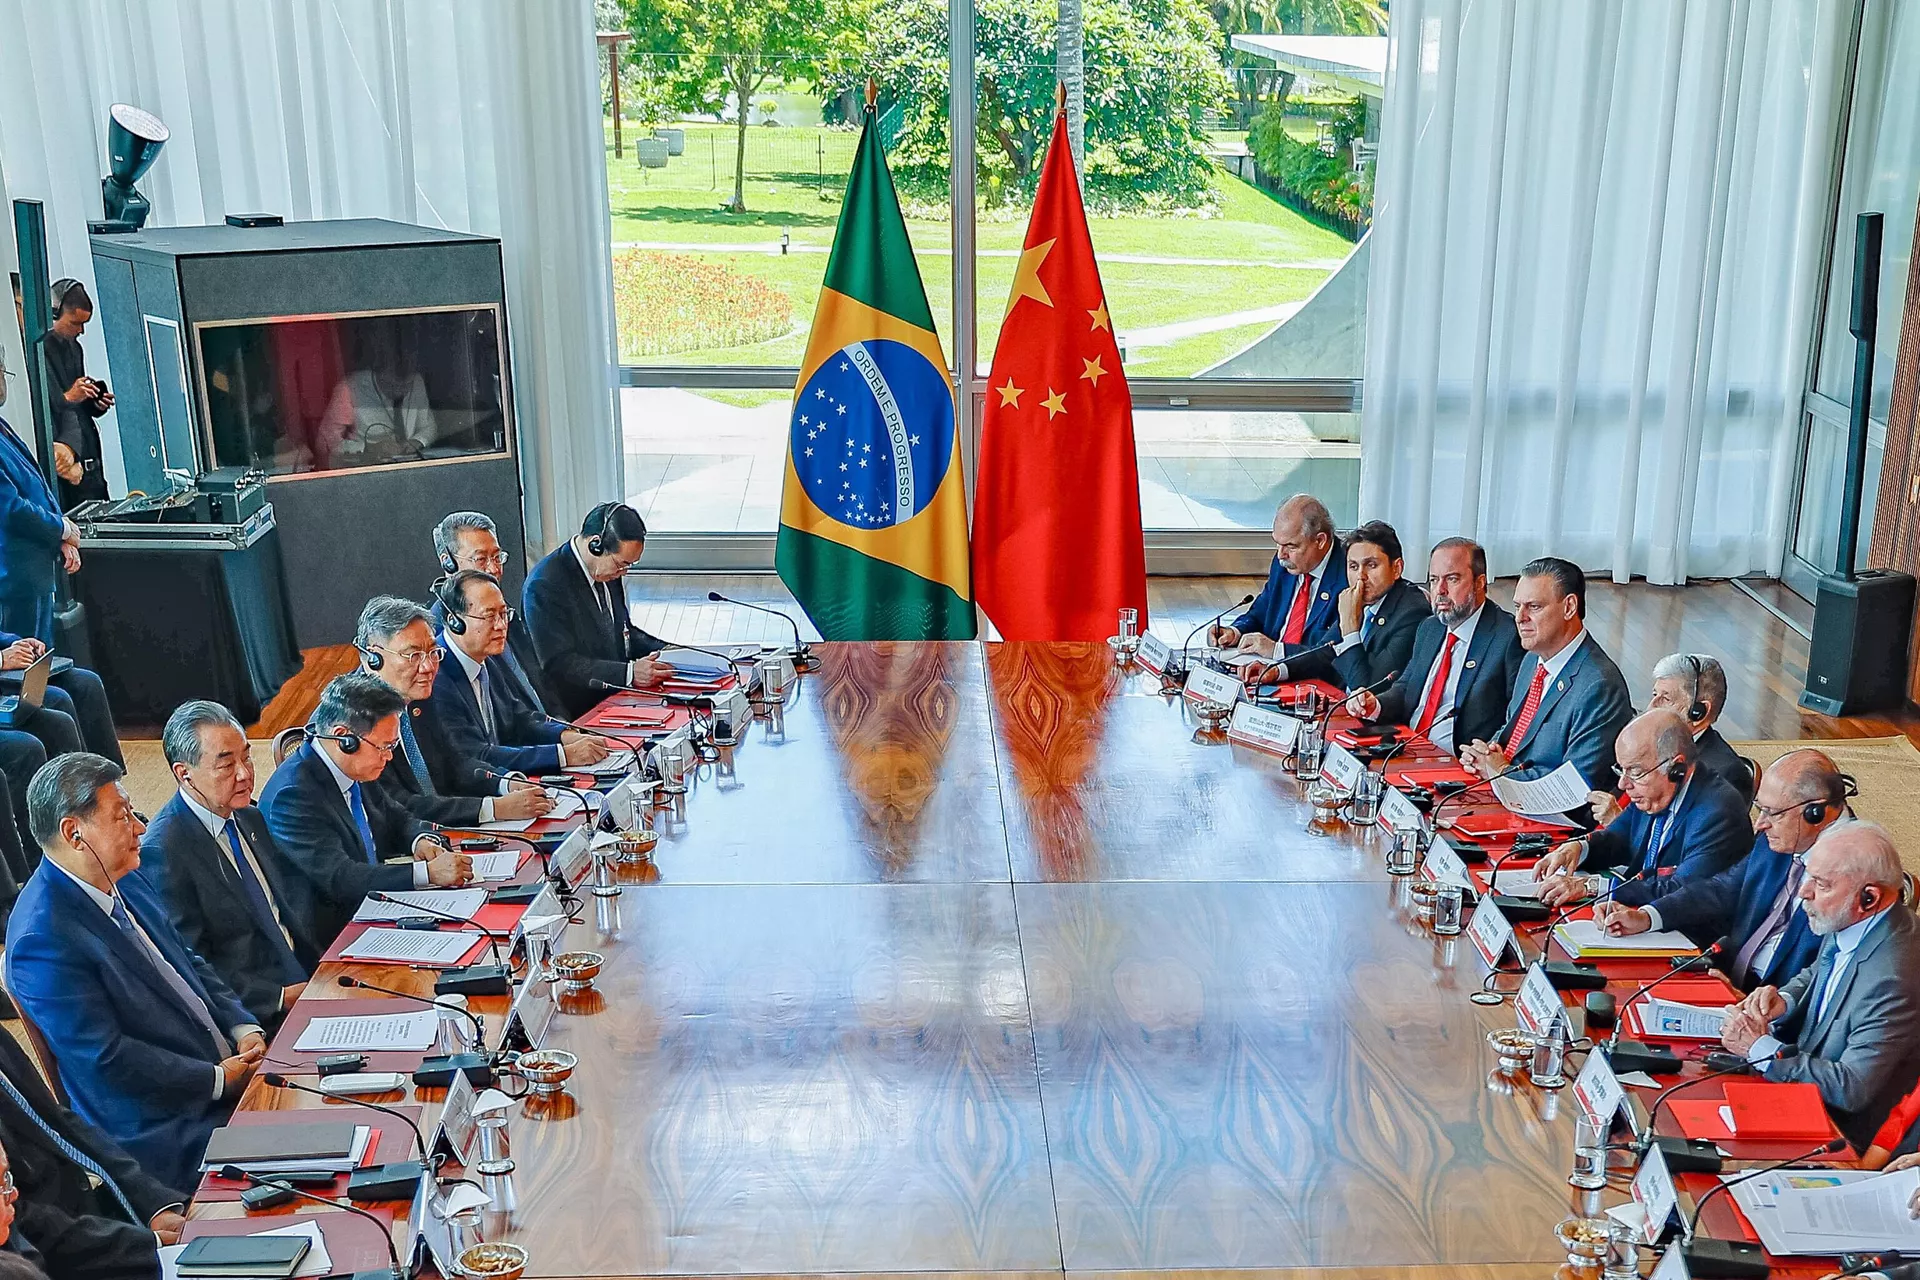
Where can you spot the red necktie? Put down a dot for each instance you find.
(1524, 721)
(1296, 629)
(1441, 670)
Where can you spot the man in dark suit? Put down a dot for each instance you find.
(153, 1047)
(577, 612)
(87, 1206)
(37, 542)
(1755, 904)
(468, 540)
(1459, 676)
(427, 777)
(1296, 615)
(1681, 824)
(1850, 1021)
(336, 832)
(75, 701)
(1379, 610)
(214, 862)
(1570, 701)
(1694, 685)
(481, 723)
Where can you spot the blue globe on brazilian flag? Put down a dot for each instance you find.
(873, 520)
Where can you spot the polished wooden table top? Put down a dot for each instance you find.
(975, 959)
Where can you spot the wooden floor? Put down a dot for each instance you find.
(1766, 660)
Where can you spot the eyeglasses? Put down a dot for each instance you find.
(384, 748)
(1641, 775)
(1774, 815)
(411, 657)
(492, 616)
(489, 561)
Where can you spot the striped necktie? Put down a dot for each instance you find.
(416, 761)
(67, 1149)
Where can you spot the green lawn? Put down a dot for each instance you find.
(1250, 252)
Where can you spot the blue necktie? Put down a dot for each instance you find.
(360, 821)
(1817, 989)
(263, 908)
(415, 760)
(67, 1149)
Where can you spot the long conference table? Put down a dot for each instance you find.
(990, 958)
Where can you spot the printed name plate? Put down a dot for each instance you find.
(1537, 1004)
(1153, 654)
(1341, 768)
(1263, 727)
(1490, 931)
(1213, 686)
(1444, 866)
(1397, 811)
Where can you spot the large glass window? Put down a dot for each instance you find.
(1227, 170)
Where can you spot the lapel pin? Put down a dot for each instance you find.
(1560, 686)
(1469, 664)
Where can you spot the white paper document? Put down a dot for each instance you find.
(1544, 798)
(1244, 658)
(508, 825)
(1518, 883)
(402, 1032)
(1585, 938)
(699, 664)
(1690, 1021)
(499, 865)
(1805, 1211)
(619, 763)
(431, 902)
(316, 1263)
(566, 804)
(409, 946)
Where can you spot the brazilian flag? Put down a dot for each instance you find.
(873, 520)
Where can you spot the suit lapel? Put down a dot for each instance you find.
(132, 954)
(1556, 687)
(1843, 983)
(1475, 656)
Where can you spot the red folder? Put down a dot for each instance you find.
(1778, 1112)
(1700, 1118)
(353, 1243)
(1426, 775)
(1494, 824)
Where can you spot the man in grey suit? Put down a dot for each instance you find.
(1850, 1021)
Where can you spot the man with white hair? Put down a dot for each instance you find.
(1850, 1021)
(1694, 687)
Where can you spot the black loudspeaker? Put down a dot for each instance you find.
(1858, 659)
(1862, 621)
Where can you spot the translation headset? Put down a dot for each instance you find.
(448, 563)
(371, 656)
(455, 621)
(349, 742)
(595, 527)
(1677, 769)
(1697, 709)
(1815, 811)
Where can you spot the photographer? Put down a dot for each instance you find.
(77, 399)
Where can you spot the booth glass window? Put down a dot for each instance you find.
(332, 393)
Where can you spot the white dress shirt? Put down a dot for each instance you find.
(1309, 583)
(472, 669)
(346, 784)
(1441, 735)
(106, 902)
(1845, 944)
(1558, 662)
(217, 828)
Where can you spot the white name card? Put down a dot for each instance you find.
(1341, 768)
(734, 705)
(1653, 1192)
(1537, 1004)
(1214, 686)
(1490, 931)
(1263, 727)
(1397, 811)
(1598, 1090)
(1443, 865)
(1153, 653)
(1673, 1264)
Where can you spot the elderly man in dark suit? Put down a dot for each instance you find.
(85, 1204)
(1570, 701)
(577, 612)
(1296, 615)
(211, 856)
(469, 540)
(1459, 677)
(1694, 685)
(152, 1046)
(1850, 1021)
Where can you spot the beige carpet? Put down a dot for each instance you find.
(1888, 771)
(150, 782)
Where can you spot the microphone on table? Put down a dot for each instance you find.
(727, 658)
(1434, 817)
(803, 659)
(532, 846)
(493, 943)
(1708, 1256)
(577, 793)
(235, 1173)
(1413, 737)
(1326, 717)
(598, 733)
(479, 1027)
(1564, 913)
(1177, 661)
(1279, 657)
(1645, 1137)
(1686, 964)
(373, 1182)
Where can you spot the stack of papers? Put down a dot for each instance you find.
(1669, 1019)
(1825, 1212)
(694, 662)
(1561, 791)
(269, 1149)
(1518, 883)
(461, 903)
(315, 1262)
(1584, 939)
(409, 946)
(401, 1032)
(496, 866)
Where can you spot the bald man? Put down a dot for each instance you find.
(1296, 617)
(1850, 1021)
(1755, 904)
(1682, 823)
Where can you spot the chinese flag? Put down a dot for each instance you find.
(1057, 547)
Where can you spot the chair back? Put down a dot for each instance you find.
(42, 1051)
(286, 742)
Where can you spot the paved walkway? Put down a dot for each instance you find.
(772, 247)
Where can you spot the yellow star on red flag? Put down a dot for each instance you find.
(1056, 403)
(1093, 372)
(1026, 276)
(1099, 315)
(1010, 394)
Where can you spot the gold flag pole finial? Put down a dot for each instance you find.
(873, 91)
(1059, 96)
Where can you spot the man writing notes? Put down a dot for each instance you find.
(482, 723)
(335, 829)
(1459, 676)
(214, 861)
(426, 776)
(1681, 826)
(1756, 902)
(1297, 610)
(1850, 1021)
(153, 1047)
(1695, 686)
(577, 611)
(1570, 702)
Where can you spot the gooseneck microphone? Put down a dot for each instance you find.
(1711, 1257)
(1433, 819)
(235, 1173)
(1645, 1137)
(479, 1027)
(1413, 737)
(531, 846)
(803, 658)
(1691, 964)
(1179, 658)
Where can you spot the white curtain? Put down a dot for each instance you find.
(473, 115)
(1598, 232)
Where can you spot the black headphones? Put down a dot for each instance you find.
(454, 621)
(1815, 811)
(448, 563)
(61, 288)
(1677, 769)
(1697, 709)
(371, 656)
(349, 742)
(595, 527)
